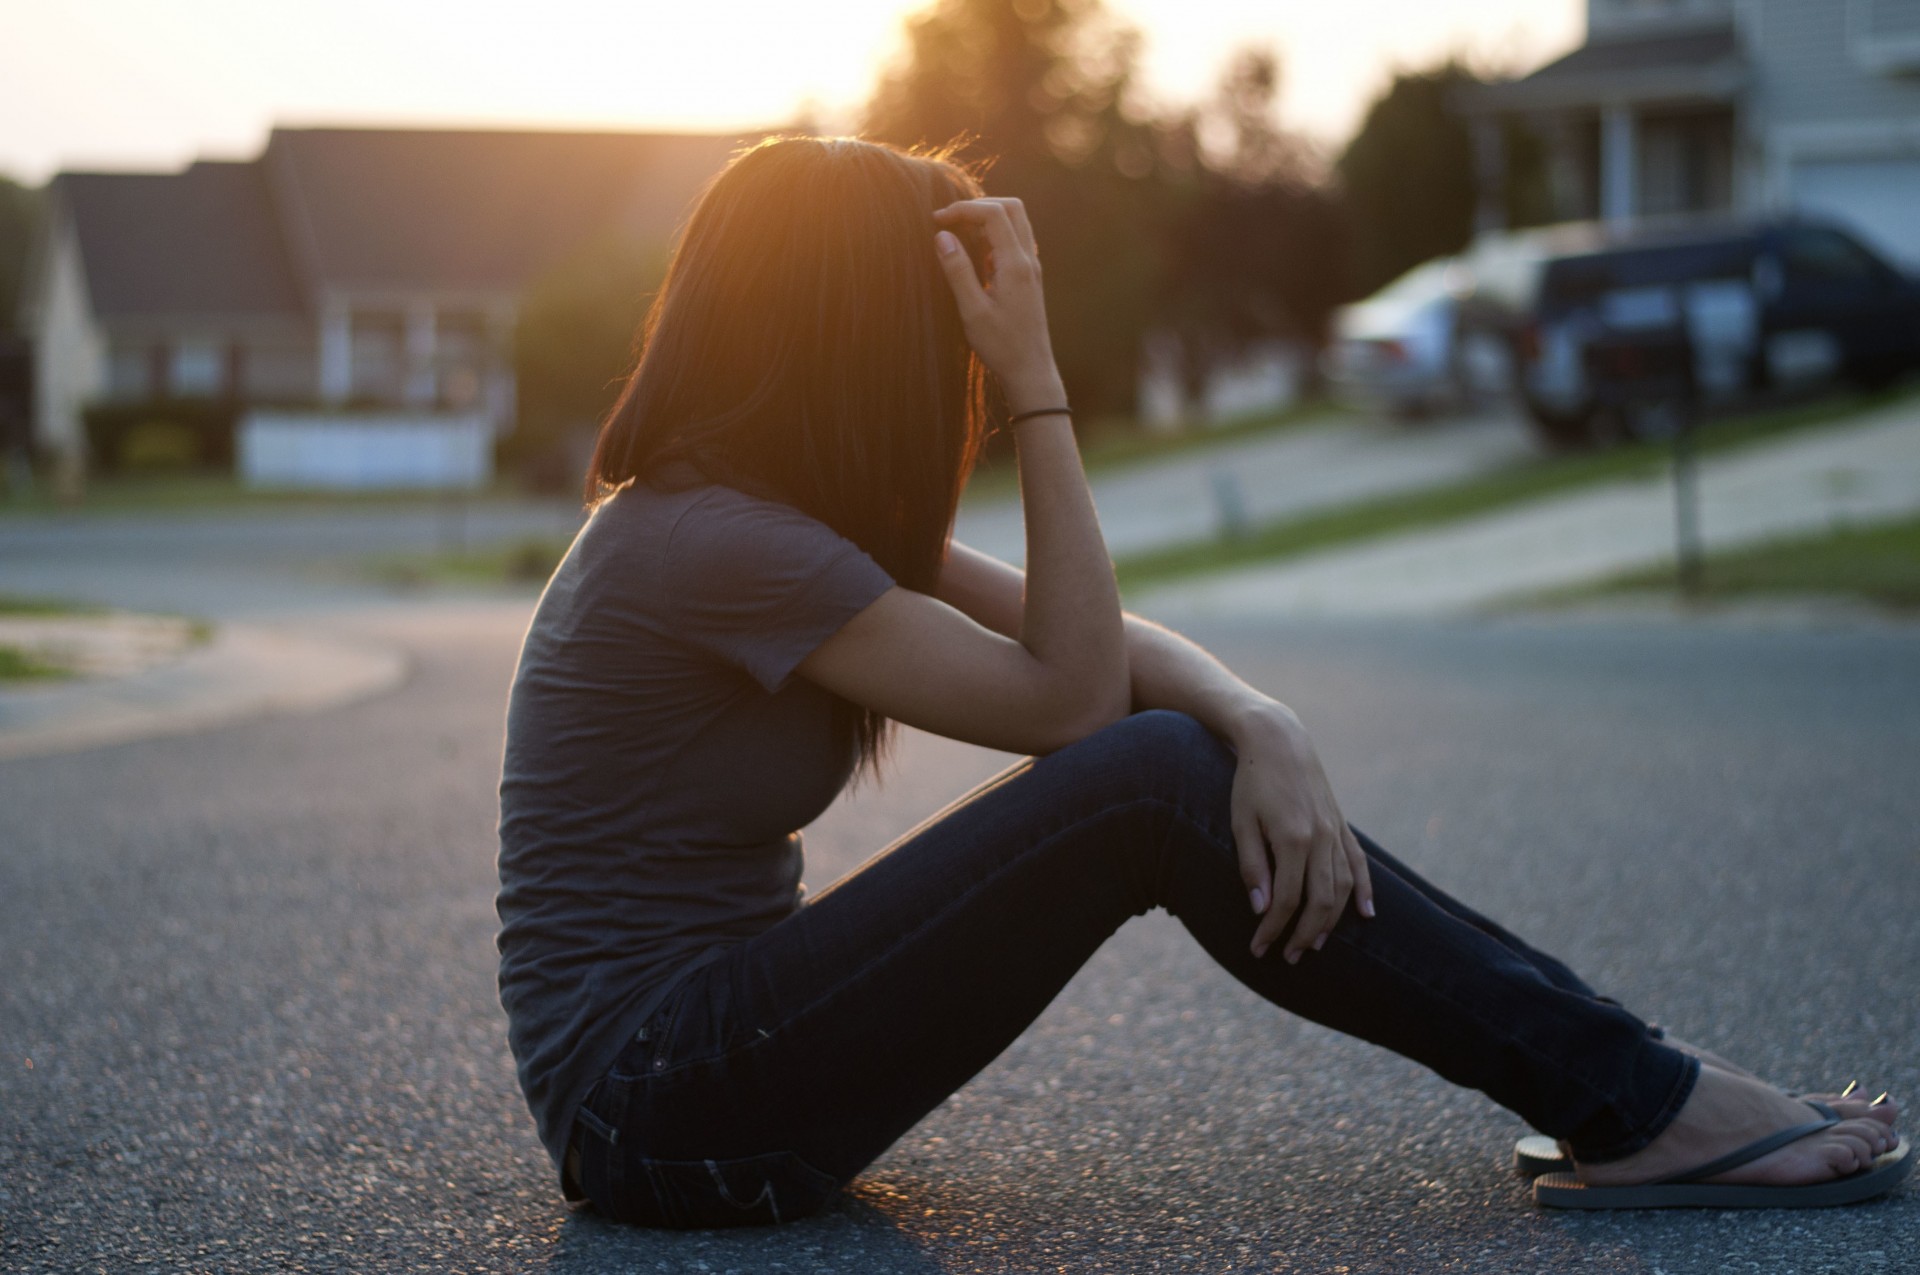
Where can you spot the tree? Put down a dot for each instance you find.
(1260, 249)
(1408, 176)
(19, 222)
(1042, 87)
(573, 348)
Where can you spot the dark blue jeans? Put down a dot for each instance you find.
(774, 1074)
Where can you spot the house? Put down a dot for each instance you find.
(1744, 106)
(363, 267)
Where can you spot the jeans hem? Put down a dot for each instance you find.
(1670, 1108)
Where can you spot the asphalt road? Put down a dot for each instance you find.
(252, 970)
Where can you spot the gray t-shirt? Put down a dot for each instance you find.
(660, 760)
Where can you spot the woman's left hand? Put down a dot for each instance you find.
(1294, 845)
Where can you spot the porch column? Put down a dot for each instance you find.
(422, 337)
(336, 352)
(1619, 164)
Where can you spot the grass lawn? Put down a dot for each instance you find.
(18, 665)
(1878, 563)
(13, 604)
(1514, 485)
(205, 493)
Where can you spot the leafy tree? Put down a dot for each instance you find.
(19, 220)
(1260, 248)
(573, 347)
(1043, 87)
(1408, 176)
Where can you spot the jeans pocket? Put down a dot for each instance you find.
(594, 1159)
(646, 1054)
(755, 1190)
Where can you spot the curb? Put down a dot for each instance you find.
(244, 672)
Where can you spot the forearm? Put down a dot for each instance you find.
(1164, 669)
(1070, 614)
(1167, 670)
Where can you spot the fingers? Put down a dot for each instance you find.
(1255, 872)
(1289, 876)
(993, 217)
(1270, 926)
(1022, 227)
(1362, 874)
(958, 267)
(1325, 898)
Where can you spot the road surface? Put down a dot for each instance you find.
(251, 1024)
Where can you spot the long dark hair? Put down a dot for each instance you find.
(805, 347)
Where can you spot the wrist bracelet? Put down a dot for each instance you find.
(1040, 411)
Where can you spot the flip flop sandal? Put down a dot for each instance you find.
(1537, 1153)
(1687, 1190)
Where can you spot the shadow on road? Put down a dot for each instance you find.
(853, 1234)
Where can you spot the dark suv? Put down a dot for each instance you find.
(1706, 314)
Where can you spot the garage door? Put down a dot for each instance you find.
(1879, 198)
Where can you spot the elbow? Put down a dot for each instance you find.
(1096, 713)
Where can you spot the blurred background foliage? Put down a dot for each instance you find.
(574, 344)
(19, 219)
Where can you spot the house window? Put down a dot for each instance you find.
(199, 369)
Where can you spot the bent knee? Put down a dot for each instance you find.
(1171, 740)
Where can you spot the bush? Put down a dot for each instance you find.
(164, 434)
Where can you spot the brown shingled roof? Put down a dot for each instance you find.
(201, 242)
(484, 211)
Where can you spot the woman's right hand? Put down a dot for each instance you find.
(1006, 318)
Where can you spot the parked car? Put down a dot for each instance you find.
(1421, 344)
(1681, 317)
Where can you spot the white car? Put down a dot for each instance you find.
(1419, 345)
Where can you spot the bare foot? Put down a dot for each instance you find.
(1707, 1056)
(1725, 1112)
(1848, 1105)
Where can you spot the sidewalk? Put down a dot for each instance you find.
(1865, 472)
(243, 671)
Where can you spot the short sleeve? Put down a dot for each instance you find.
(760, 585)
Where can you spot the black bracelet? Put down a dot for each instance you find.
(1040, 411)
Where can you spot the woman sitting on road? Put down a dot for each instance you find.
(767, 581)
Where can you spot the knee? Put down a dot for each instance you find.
(1168, 743)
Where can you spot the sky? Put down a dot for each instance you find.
(141, 84)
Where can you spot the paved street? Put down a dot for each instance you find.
(253, 972)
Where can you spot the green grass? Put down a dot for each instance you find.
(1504, 488)
(528, 561)
(217, 493)
(1878, 563)
(18, 665)
(1117, 443)
(13, 604)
